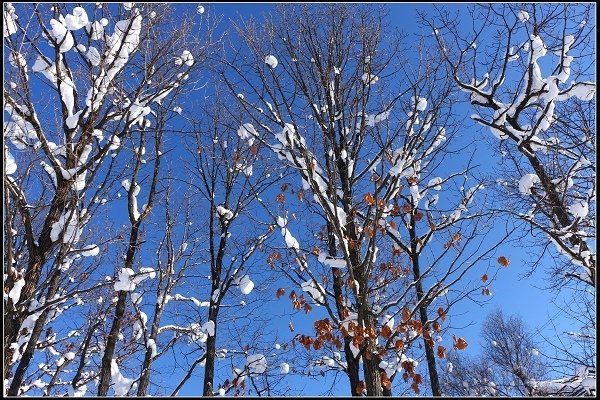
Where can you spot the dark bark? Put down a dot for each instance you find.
(113, 336)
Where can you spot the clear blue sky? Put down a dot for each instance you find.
(511, 292)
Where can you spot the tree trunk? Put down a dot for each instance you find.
(209, 367)
(113, 336)
(371, 363)
(429, 352)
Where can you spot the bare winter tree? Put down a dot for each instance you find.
(528, 70)
(108, 69)
(368, 137)
(509, 364)
(229, 175)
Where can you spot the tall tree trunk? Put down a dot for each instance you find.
(33, 339)
(113, 336)
(429, 351)
(209, 367)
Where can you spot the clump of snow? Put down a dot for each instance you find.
(200, 9)
(10, 166)
(535, 352)
(247, 132)
(527, 182)
(120, 384)
(67, 224)
(245, 284)
(523, 16)
(61, 34)
(420, 103)
(315, 291)
(15, 291)
(369, 79)
(290, 240)
(77, 20)
(186, 58)
(93, 56)
(124, 282)
(331, 261)
(91, 250)
(257, 364)
(225, 213)
(271, 61)
(9, 26)
(284, 368)
(579, 209)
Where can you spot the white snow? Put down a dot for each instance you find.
(284, 368)
(77, 20)
(420, 103)
(225, 213)
(523, 16)
(124, 282)
(314, 291)
(333, 262)
(209, 328)
(10, 166)
(247, 132)
(579, 209)
(271, 61)
(369, 79)
(91, 250)
(61, 34)
(93, 56)
(290, 240)
(120, 384)
(535, 352)
(9, 17)
(245, 284)
(257, 364)
(200, 9)
(527, 182)
(186, 58)
(15, 291)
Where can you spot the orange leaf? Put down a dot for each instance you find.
(484, 278)
(405, 314)
(284, 187)
(406, 208)
(307, 308)
(280, 292)
(442, 313)
(460, 343)
(280, 198)
(418, 216)
(361, 387)
(291, 327)
(441, 352)
(399, 345)
(369, 199)
(436, 326)
(386, 332)
(503, 261)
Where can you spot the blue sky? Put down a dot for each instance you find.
(512, 292)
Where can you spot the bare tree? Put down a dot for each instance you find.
(509, 364)
(528, 72)
(368, 137)
(108, 69)
(228, 176)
